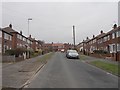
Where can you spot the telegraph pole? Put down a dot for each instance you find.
(74, 36)
(28, 25)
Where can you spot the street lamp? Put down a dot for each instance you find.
(74, 36)
(28, 24)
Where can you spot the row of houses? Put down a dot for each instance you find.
(106, 45)
(57, 46)
(11, 39)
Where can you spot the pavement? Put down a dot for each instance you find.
(15, 75)
(89, 59)
(61, 72)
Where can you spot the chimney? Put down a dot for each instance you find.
(87, 38)
(93, 36)
(101, 31)
(115, 26)
(21, 32)
(29, 36)
(10, 25)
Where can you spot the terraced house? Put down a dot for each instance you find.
(5, 41)
(109, 43)
(18, 39)
(36, 44)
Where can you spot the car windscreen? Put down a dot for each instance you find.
(72, 51)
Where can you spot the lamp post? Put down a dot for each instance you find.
(74, 36)
(28, 24)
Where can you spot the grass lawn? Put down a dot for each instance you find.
(45, 58)
(112, 68)
(83, 57)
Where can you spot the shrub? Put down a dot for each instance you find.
(10, 52)
(16, 52)
(100, 51)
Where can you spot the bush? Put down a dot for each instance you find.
(16, 52)
(100, 51)
(10, 52)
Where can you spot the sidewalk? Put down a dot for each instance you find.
(89, 59)
(15, 75)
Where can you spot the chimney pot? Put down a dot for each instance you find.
(30, 36)
(21, 32)
(115, 26)
(10, 25)
(87, 38)
(93, 36)
(101, 31)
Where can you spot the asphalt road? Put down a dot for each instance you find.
(61, 72)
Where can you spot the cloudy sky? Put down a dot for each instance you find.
(53, 21)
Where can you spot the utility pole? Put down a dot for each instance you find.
(74, 36)
(28, 25)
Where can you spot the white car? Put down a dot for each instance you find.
(72, 54)
(62, 50)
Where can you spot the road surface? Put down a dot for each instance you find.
(61, 72)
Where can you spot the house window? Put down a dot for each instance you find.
(118, 34)
(18, 36)
(0, 33)
(6, 36)
(21, 38)
(113, 35)
(10, 38)
(5, 48)
(28, 41)
(118, 47)
(114, 48)
(105, 39)
(0, 48)
(24, 39)
(108, 37)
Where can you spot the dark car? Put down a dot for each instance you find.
(72, 54)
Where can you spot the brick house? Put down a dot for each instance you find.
(5, 41)
(57, 46)
(68, 46)
(35, 45)
(109, 42)
(89, 45)
(47, 47)
(18, 39)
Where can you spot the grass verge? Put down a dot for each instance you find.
(45, 58)
(111, 68)
(83, 57)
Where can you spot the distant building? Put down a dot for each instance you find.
(68, 46)
(35, 45)
(47, 47)
(57, 46)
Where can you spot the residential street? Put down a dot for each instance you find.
(61, 72)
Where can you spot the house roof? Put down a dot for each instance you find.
(5, 32)
(101, 35)
(114, 30)
(57, 44)
(111, 31)
(9, 30)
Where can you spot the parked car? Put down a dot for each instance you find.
(62, 50)
(72, 54)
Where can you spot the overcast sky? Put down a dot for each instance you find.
(53, 21)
